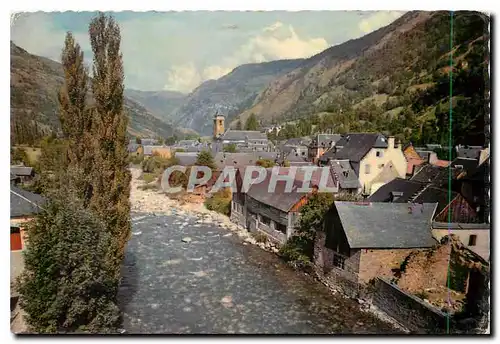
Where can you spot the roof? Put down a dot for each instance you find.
(441, 163)
(186, 158)
(13, 176)
(280, 199)
(24, 203)
(235, 159)
(387, 174)
(408, 188)
(386, 225)
(346, 176)
(243, 135)
(436, 175)
(412, 163)
(21, 170)
(432, 194)
(297, 141)
(355, 146)
(471, 152)
(325, 140)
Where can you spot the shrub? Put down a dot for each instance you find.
(260, 237)
(220, 202)
(266, 163)
(136, 159)
(67, 283)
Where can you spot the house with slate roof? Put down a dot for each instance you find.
(365, 240)
(368, 154)
(274, 212)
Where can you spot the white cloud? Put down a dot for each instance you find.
(275, 42)
(377, 20)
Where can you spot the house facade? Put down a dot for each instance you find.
(320, 144)
(474, 236)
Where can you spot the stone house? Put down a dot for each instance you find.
(368, 154)
(273, 213)
(363, 240)
(320, 144)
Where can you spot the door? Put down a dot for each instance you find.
(15, 239)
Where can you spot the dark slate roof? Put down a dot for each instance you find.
(408, 188)
(355, 146)
(294, 157)
(436, 175)
(471, 152)
(24, 203)
(386, 225)
(345, 175)
(297, 141)
(278, 199)
(235, 159)
(21, 170)
(435, 195)
(243, 135)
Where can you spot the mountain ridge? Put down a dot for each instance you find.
(35, 84)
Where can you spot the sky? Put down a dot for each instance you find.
(178, 51)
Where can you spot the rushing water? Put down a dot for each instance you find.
(216, 284)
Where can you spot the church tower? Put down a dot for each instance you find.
(218, 125)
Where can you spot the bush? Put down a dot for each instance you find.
(266, 163)
(220, 202)
(136, 159)
(66, 284)
(260, 237)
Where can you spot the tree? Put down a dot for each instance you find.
(205, 158)
(251, 123)
(111, 177)
(238, 125)
(300, 247)
(138, 140)
(266, 163)
(230, 148)
(171, 140)
(67, 282)
(76, 120)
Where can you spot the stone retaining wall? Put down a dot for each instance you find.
(415, 314)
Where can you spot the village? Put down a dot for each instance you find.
(399, 213)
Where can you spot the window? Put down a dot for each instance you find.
(280, 228)
(378, 154)
(338, 261)
(367, 169)
(265, 220)
(472, 240)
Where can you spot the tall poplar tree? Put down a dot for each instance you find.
(111, 177)
(76, 118)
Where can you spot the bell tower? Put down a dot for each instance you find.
(218, 125)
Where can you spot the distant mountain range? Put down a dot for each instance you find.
(35, 84)
(397, 76)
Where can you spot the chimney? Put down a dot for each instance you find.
(432, 157)
(390, 142)
(400, 146)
